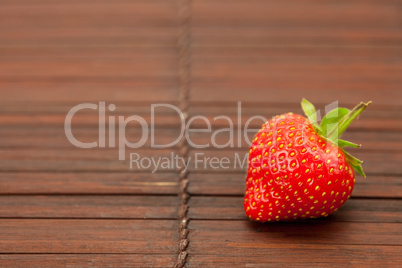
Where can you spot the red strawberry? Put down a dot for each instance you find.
(298, 169)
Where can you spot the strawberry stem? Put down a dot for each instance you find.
(334, 133)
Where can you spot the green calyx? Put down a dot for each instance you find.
(332, 126)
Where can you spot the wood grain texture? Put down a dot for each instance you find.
(276, 88)
(292, 13)
(108, 38)
(88, 260)
(294, 38)
(88, 236)
(300, 255)
(88, 183)
(42, 137)
(232, 236)
(135, 14)
(82, 160)
(88, 67)
(135, 8)
(88, 119)
(89, 207)
(56, 92)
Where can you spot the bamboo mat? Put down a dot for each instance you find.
(65, 206)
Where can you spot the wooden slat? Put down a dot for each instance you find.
(72, 2)
(134, 50)
(95, 37)
(238, 236)
(84, 160)
(234, 184)
(85, 120)
(88, 183)
(149, 67)
(87, 207)
(282, 70)
(128, 14)
(320, 88)
(86, 2)
(354, 210)
(88, 236)
(271, 255)
(42, 137)
(85, 20)
(152, 9)
(382, 69)
(87, 260)
(268, 50)
(55, 106)
(87, 90)
(76, 154)
(290, 13)
(296, 38)
(277, 79)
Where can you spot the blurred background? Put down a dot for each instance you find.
(271, 52)
(267, 55)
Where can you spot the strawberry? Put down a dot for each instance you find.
(298, 169)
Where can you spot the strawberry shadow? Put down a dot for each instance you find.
(322, 230)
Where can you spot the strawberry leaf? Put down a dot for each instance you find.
(354, 162)
(351, 159)
(310, 112)
(343, 143)
(359, 169)
(331, 120)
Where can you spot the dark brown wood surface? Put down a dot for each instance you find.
(61, 206)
